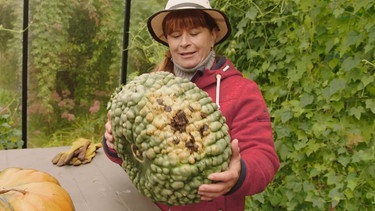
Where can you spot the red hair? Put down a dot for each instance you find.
(187, 19)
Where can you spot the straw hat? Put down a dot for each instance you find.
(155, 22)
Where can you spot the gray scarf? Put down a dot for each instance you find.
(189, 73)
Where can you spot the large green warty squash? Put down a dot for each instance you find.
(170, 135)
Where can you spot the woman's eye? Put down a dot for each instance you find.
(175, 35)
(194, 32)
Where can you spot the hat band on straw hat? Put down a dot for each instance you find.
(186, 6)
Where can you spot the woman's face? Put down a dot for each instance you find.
(189, 47)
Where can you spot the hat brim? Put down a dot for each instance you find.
(155, 23)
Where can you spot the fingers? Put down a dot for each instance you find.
(224, 181)
(212, 191)
(235, 149)
(110, 144)
(108, 134)
(234, 167)
(235, 161)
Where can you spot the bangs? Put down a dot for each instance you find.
(187, 19)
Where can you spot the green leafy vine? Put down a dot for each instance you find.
(314, 62)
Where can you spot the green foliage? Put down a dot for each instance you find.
(10, 49)
(314, 62)
(88, 126)
(6, 20)
(144, 52)
(10, 137)
(75, 55)
(10, 132)
(74, 61)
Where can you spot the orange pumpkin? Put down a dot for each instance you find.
(32, 190)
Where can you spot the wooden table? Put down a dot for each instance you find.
(97, 186)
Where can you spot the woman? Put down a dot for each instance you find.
(191, 29)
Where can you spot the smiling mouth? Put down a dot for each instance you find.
(187, 53)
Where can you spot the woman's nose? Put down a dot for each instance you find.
(185, 40)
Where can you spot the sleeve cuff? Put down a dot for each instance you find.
(240, 180)
(111, 153)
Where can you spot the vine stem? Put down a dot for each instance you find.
(12, 189)
(2, 28)
(368, 62)
(136, 153)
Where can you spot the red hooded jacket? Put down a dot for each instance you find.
(247, 117)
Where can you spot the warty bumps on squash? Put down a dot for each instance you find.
(170, 136)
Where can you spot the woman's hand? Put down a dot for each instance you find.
(224, 181)
(108, 133)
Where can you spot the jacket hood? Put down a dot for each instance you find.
(221, 69)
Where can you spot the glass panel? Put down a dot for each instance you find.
(10, 73)
(144, 52)
(74, 66)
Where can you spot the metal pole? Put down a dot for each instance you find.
(124, 67)
(25, 44)
(125, 42)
